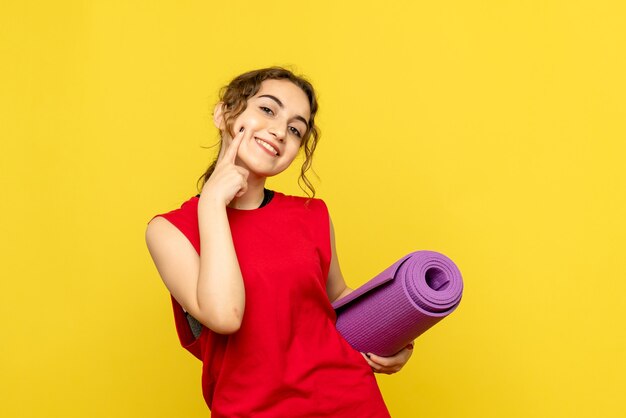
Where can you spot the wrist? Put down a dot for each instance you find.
(208, 201)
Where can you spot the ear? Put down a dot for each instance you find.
(218, 116)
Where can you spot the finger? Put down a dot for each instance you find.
(226, 151)
(225, 145)
(383, 361)
(245, 173)
(373, 365)
(243, 190)
(233, 148)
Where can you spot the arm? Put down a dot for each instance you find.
(187, 276)
(210, 286)
(336, 288)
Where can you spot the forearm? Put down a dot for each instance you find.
(220, 290)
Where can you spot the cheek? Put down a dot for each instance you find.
(293, 151)
(249, 122)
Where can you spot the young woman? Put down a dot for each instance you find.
(252, 272)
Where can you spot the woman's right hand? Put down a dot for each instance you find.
(228, 180)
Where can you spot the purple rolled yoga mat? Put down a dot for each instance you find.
(400, 304)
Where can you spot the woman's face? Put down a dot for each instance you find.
(276, 119)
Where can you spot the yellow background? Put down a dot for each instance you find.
(493, 132)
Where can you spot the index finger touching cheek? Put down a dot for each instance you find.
(231, 151)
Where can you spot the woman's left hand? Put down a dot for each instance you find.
(389, 365)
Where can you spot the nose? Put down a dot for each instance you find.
(278, 131)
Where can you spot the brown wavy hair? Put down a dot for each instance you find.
(235, 98)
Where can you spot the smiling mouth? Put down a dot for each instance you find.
(267, 146)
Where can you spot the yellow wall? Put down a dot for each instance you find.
(493, 132)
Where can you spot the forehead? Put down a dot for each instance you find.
(293, 98)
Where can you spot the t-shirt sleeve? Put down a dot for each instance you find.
(185, 334)
(185, 219)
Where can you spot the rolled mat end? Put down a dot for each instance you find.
(400, 303)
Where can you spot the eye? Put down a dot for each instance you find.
(267, 110)
(295, 132)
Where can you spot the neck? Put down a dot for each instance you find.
(253, 197)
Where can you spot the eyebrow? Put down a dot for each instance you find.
(280, 104)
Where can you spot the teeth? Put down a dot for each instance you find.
(266, 145)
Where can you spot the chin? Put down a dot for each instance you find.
(267, 173)
(263, 169)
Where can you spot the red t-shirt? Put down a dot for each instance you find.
(287, 359)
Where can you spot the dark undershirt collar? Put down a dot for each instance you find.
(267, 196)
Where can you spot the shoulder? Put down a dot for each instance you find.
(187, 211)
(160, 230)
(183, 219)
